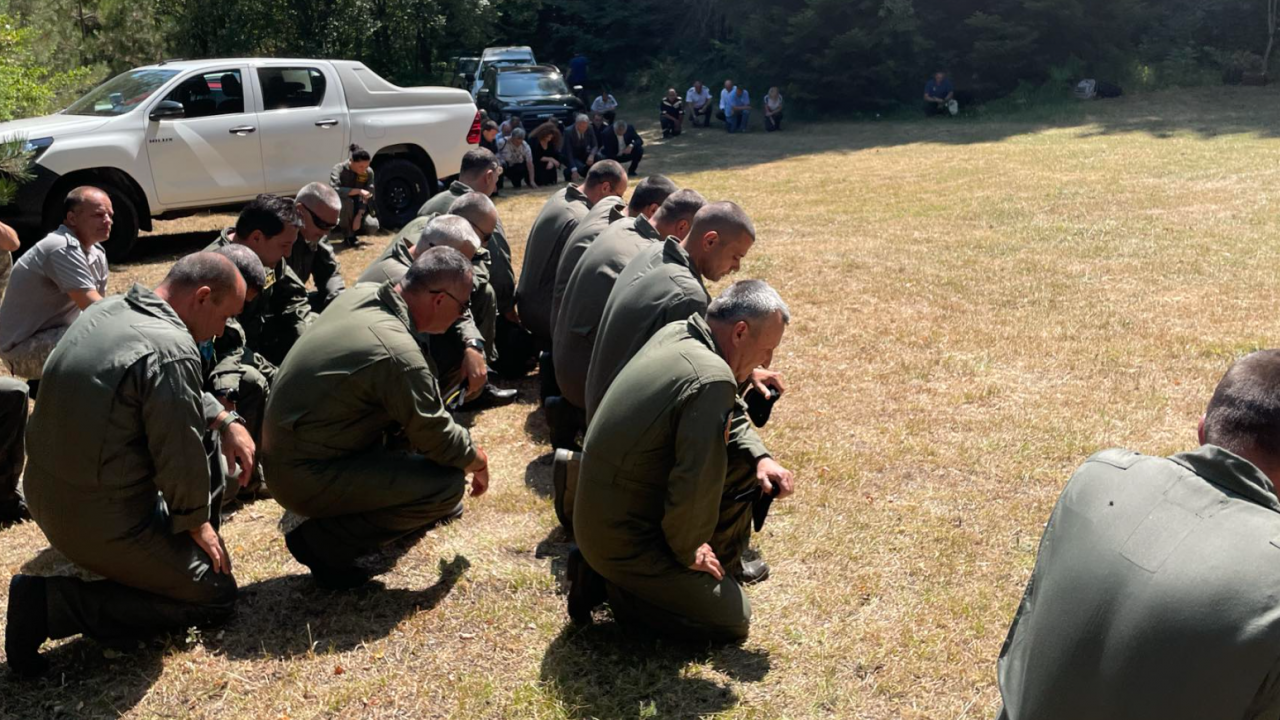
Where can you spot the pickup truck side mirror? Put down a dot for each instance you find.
(167, 110)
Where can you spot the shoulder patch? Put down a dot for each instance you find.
(1116, 457)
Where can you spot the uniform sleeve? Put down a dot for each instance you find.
(327, 272)
(743, 438)
(335, 179)
(408, 391)
(369, 185)
(290, 316)
(228, 355)
(210, 408)
(68, 268)
(173, 419)
(697, 480)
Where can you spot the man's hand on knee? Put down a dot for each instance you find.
(705, 560)
(207, 538)
(772, 475)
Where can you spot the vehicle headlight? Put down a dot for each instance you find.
(37, 146)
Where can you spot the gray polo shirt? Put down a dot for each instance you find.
(37, 297)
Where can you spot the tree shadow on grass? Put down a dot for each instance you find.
(289, 616)
(537, 475)
(605, 670)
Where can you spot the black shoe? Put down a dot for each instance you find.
(351, 241)
(14, 511)
(491, 396)
(564, 465)
(26, 625)
(326, 576)
(752, 572)
(586, 588)
(562, 425)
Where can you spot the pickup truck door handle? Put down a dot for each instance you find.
(242, 129)
(328, 122)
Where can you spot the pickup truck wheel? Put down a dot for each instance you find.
(402, 190)
(124, 229)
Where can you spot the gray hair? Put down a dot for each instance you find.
(448, 231)
(747, 300)
(518, 134)
(247, 262)
(203, 269)
(473, 206)
(317, 194)
(436, 269)
(582, 118)
(620, 126)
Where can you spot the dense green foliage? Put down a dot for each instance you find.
(836, 55)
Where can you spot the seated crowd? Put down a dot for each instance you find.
(252, 371)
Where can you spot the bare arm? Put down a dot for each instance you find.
(9, 239)
(84, 298)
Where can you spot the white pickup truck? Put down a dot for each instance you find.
(170, 139)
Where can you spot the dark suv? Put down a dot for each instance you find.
(536, 93)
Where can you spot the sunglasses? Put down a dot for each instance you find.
(326, 226)
(463, 307)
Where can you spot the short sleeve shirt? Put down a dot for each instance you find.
(37, 296)
(516, 155)
(938, 89)
(698, 99)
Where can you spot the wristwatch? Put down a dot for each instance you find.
(232, 417)
(477, 345)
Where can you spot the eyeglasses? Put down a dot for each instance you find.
(326, 226)
(463, 307)
(484, 236)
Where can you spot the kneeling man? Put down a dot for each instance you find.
(1154, 594)
(356, 436)
(118, 477)
(664, 500)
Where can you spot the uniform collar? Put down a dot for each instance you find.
(459, 188)
(701, 331)
(646, 229)
(573, 194)
(674, 252)
(1230, 472)
(145, 301)
(273, 274)
(395, 303)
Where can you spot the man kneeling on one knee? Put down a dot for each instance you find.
(665, 498)
(356, 437)
(118, 477)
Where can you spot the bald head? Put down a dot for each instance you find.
(448, 231)
(1244, 414)
(720, 237)
(319, 195)
(88, 213)
(204, 269)
(478, 210)
(204, 289)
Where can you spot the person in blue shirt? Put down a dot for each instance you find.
(735, 107)
(940, 95)
(578, 69)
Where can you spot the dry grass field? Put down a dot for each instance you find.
(979, 305)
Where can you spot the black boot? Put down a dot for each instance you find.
(26, 625)
(586, 588)
(14, 511)
(751, 572)
(562, 424)
(491, 396)
(327, 576)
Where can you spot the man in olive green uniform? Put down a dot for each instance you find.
(13, 428)
(480, 172)
(459, 351)
(557, 221)
(246, 355)
(319, 207)
(1154, 593)
(357, 388)
(662, 284)
(132, 502)
(665, 496)
(353, 180)
(591, 280)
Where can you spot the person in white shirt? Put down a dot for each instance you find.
(697, 102)
(606, 105)
(773, 110)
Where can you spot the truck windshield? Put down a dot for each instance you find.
(121, 93)
(519, 84)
